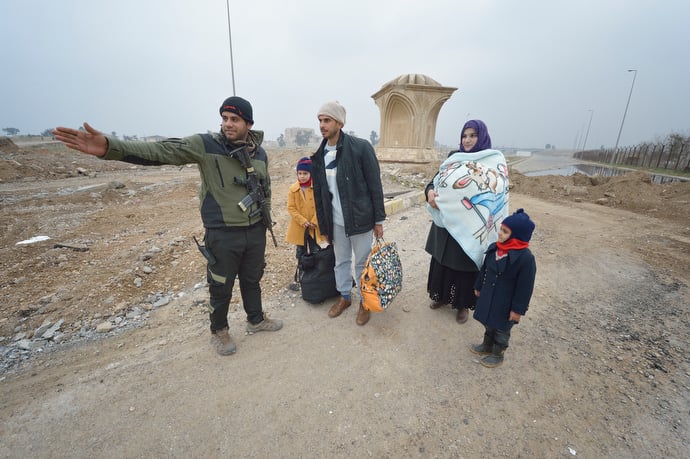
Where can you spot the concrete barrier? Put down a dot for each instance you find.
(404, 201)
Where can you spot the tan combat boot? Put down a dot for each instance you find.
(222, 342)
(265, 325)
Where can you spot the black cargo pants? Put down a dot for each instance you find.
(239, 252)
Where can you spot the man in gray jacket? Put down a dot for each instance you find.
(235, 229)
(349, 201)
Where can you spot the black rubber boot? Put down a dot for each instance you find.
(485, 348)
(495, 358)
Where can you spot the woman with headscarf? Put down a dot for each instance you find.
(467, 199)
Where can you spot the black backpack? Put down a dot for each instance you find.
(315, 271)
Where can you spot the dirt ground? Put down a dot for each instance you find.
(104, 346)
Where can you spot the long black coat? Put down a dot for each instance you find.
(505, 285)
(359, 185)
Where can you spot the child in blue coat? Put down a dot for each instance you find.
(504, 286)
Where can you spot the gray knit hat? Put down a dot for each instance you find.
(333, 110)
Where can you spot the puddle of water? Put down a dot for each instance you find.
(591, 170)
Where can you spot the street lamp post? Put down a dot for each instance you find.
(615, 149)
(591, 114)
(232, 65)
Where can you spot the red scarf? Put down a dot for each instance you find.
(306, 184)
(510, 244)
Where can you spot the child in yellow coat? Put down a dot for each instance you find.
(302, 210)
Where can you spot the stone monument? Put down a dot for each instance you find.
(409, 107)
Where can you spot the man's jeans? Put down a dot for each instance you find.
(344, 247)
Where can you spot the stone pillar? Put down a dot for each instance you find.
(409, 107)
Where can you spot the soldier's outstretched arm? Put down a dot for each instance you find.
(89, 141)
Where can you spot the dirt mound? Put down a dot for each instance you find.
(7, 145)
(49, 161)
(633, 191)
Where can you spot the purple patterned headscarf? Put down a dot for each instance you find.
(483, 139)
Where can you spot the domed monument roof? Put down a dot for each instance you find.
(413, 78)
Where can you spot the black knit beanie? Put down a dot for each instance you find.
(238, 106)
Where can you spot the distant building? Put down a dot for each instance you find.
(308, 134)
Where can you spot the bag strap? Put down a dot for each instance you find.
(379, 241)
(308, 241)
(298, 275)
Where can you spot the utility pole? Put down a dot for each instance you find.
(591, 114)
(615, 149)
(232, 65)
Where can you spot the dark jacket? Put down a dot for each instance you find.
(219, 192)
(359, 185)
(504, 285)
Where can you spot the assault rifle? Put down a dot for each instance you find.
(255, 188)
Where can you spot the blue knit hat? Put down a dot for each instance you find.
(304, 164)
(521, 227)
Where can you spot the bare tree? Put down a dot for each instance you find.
(11, 131)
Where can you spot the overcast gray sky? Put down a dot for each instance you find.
(532, 70)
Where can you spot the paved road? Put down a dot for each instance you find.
(545, 160)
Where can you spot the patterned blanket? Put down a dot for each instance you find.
(472, 199)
